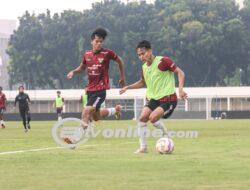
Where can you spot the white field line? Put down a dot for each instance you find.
(52, 148)
(30, 150)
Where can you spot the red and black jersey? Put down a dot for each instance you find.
(97, 66)
(2, 100)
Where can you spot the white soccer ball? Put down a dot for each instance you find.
(164, 145)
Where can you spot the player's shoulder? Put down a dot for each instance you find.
(106, 51)
(165, 58)
(88, 52)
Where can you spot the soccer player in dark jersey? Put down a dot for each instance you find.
(158, 77)
(96, 63)
(3, 101)
(23, 101)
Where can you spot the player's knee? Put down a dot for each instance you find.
(153, 118)
(143, 118)
(87, 110)
(95, 118)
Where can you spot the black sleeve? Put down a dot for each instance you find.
(28, 98)
(16, 100)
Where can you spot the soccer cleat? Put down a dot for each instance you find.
(3, 126)
(118, 109)
(141, 151)
(67, 140)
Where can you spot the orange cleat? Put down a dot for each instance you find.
(67, 140)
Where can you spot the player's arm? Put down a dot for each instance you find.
(63, 101)
(120, 63)
(16, 100)
(28, 99)
(138, 84)
(79, 69)
(5, 101)
(181, 79)
(167, 64)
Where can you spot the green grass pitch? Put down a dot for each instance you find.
(218, 159)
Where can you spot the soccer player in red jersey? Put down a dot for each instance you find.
(96, 63)
(3, 101)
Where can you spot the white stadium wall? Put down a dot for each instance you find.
(202, 103)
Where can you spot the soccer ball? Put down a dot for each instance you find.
(164, 145)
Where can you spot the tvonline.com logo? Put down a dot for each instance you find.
(69, 133)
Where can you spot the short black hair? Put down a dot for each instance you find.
(21, 86)
(100, 32)
(58, 92)
(144, 44)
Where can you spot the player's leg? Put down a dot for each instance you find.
(59, 114)
(86, 122)
(142, 129)
(107, 112)
(1, 118)
(142, 125)
(87, 115)
(28, 118)
(95, 100)
(23, 116)
(165, 110)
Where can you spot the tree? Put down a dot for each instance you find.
(209, 39)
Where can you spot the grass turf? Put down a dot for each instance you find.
(219, 158)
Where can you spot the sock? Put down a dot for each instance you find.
(111, 111)
(86, 129)
(1, 122)
(142, 130)
(159, 125)
(91, 124)
(84, 125)
(60, 118)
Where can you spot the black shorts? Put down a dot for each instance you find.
(96, 98)
(2, 110)
(59, 110)
(168, 107)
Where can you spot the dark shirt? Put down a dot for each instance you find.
(23, 100)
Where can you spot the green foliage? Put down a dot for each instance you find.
(209, 39)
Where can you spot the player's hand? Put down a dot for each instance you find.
(70, 75)
(123, 90)
(182, 95)
(121, 82)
